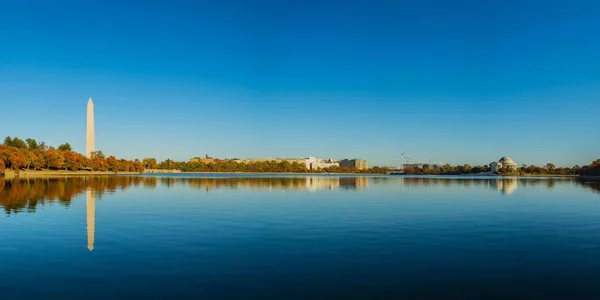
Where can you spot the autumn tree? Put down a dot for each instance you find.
(409, 170)
(138, 166)
(39, 159)
(16, 159)
(150, 163)
(112, 163)
(30, 157)
(54, 159)
(98, 164)
(70, 161)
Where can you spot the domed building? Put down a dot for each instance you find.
(505, 162)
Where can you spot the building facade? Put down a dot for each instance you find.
(356, 163)
(313, 163)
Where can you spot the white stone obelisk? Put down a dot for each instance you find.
(90, 137)
(90, 197)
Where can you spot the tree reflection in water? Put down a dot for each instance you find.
(26, 194)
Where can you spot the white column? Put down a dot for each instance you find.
(90, 136)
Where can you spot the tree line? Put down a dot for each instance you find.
(233, 166)
(17, 154)
(549, 169)
(592, 169)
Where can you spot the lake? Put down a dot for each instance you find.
(299, 237)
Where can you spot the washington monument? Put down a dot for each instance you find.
(90, 137)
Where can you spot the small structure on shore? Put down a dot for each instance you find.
(160, 171)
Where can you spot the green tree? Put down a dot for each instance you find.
(65, 147)
(98, 154)
(18, 143)
(32, 144)
(467, 168)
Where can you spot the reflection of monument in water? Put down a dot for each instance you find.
(505, 185)
(90, 200)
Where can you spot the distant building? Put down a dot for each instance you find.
(505, 162)
(313, 163)
(276, 159)
(205, 160)
(356, 163)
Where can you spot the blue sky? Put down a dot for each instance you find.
(452, 81)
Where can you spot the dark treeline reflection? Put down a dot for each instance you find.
(26, 194)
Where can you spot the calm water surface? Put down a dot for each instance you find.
(265, 237)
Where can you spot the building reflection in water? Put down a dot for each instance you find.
(90, 199)
(307, 183)
(506, 186)
(314, 184)
(333, 183)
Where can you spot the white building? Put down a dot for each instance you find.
(313, 163)
(505, 162)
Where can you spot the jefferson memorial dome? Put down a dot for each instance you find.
(504, 162)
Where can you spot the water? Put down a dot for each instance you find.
(324, 237)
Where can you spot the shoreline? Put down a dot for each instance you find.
(62, 173)
(49, 174)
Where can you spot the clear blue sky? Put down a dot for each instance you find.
(454, 81)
